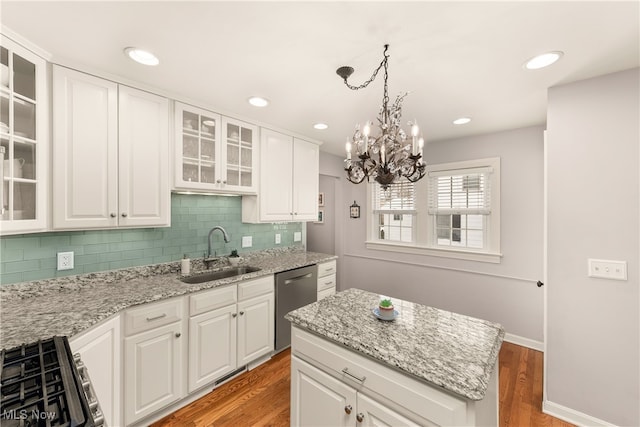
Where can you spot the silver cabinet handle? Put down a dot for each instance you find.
(360, 417)
(113, 215)
(224, 182)
(242, 313)
(329, 269)
(348, 409)
(178, 334)
(329, 283)
(124, 215)
(355, 377)
(234, 315)
(293, 279)
(160, 316)
(217, 181)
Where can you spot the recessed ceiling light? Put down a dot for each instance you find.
(543, 60)
(142, 56)
(257, 101)
(462, 121)
(320, 126)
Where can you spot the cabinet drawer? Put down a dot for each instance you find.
(327, 268)
(418, 397)
(150, 316)
(326, 282)
(255, 287)
(211, 299)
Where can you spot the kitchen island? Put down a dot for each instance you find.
(426, 367)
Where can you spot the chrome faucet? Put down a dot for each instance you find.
(224, 234)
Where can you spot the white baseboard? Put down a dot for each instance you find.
(524, 342)
(572, 416)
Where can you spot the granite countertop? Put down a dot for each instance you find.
(36, 310)
(449, 350)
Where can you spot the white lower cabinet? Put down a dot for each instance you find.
(320, 399)
(224, 334)
(326, 279)
(101, 351)
(153, 362)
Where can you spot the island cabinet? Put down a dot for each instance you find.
(110, 154)
(289, 179)
(428, 367)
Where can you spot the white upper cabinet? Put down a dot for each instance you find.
(110, 154)
(214, 153)
(289, 176)
(24, 140)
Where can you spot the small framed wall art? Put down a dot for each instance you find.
(320, 199)
(354, 210)
(320, 216)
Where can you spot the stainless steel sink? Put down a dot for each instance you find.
(220, 274)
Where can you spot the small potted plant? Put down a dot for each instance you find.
(385, 309)
(234, 258)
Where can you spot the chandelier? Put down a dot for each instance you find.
(389, 156)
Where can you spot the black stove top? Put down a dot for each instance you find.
(40, 386)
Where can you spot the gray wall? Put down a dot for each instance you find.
(505, 292)
(593, 327)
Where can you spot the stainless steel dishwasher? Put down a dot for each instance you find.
(294, 289)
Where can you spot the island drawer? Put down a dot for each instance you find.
(381, 382)
(253, 288)
(151, 316)
(211, 299)
(327, 268)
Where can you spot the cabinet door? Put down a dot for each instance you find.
(306, 175)
(198, 150)
(240, 154)
(256, 326)
(24, 140)
(212, 346)
(372, 413)
(85, 150)
(153, 370)
(100, 351)
(144, 193)
(318, 399)
(276, 176)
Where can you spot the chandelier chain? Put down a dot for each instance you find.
(375, 73)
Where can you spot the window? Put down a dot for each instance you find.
(394, 211)
(453, 212)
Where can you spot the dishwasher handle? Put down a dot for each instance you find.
(295, 279)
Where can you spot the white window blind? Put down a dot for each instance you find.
(460, 192)
(399, 198)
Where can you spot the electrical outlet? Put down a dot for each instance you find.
(297, 236)
(278, 239)
(65, 261)
(605, 269)
(247, 241)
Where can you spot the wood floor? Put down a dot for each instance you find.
(261, 397)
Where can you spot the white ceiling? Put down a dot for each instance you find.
(455, 58)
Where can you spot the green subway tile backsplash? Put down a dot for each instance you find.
(33, 256)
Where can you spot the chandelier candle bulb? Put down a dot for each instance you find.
(348, 147)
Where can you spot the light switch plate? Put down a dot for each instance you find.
(247, 241)
(607, 269)
(65, 261)
(297, 236)
(278, 238)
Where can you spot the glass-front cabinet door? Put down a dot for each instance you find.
(240, 147)
(213, 153)
(23, 136)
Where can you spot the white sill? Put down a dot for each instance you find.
(491, 257)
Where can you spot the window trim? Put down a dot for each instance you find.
(423, 232)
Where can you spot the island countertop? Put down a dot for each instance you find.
(449, 350)
(31, 311)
